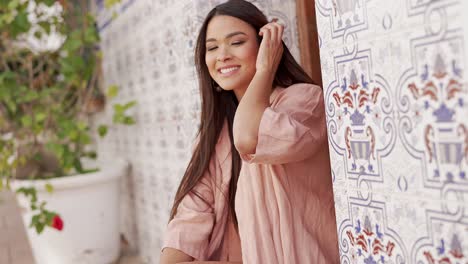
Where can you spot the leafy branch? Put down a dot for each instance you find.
(49, 95)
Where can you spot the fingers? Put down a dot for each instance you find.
(278, 27)
(280, 32)
(266, 34)
(271, 47)
(274, 32)
(275, 29)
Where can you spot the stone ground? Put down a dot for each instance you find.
(14, 245)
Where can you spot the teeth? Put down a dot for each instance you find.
(227, 70)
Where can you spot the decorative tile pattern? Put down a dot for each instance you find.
(148, 52)
(395, 87)
(370, 239)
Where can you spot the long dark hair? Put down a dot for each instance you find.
(218, 107)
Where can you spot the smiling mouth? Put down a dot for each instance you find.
(228, 71)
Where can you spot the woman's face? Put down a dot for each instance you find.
(231, 52)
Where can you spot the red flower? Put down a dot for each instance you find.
(57, 223)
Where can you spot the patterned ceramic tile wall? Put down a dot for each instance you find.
(148, 52)
(396, 97)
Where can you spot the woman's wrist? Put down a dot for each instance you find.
(265, 73)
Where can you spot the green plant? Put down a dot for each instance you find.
(47, 96)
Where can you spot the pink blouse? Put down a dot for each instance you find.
(204, 231)
(284, 199)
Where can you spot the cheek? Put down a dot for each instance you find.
(250, 55)
(210, 63)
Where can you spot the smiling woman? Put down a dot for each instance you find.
(258, 187)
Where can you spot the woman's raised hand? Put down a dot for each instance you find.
(271, 48)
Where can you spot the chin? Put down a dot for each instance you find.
(231, 86)
(227, 87)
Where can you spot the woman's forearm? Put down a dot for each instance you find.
(173, 256)
(250, 110)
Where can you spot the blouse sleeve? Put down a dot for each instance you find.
(293, 128)
(190, 230)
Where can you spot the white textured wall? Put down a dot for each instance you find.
(396, 96)
(148, 52)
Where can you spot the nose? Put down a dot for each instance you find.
(223, 55)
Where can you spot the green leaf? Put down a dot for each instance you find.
(40, 227)
(128, 120)
(45, 25)
(20, 24)
(37, 157)
(72, 44)
(118, 109)
(77, 165)
(49, 2)
(48, 217)
(112, 91)
(7, 74)
(102, 130)
(68, 158)
(13, 4)
(38, 35)
(84, 139)
(11, 105)
(56, 148)
(129, 105)
(76, 62)
(91, 35)
(118, 118)
(91, 154)
(90, 170)
(109, 3)
(49, 188)
(82, 126)
(30, 96)
(26, 121)
(41, 116)
(34, 221)
(7, 84)
(49, 92)
(73, 135)
(9, 17)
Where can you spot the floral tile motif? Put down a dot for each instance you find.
(367, 239)
(345, 15)
(360, 104)
(396, 115)
(447, 245)
(433, 111)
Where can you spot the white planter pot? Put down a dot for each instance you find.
(89, 207)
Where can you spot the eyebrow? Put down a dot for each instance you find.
(230, 35)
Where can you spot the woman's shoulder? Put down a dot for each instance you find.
(296, 93)
(302, 89)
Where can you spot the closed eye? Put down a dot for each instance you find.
(237, 43)
(211, 48)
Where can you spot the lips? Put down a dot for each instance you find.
(228, 70)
